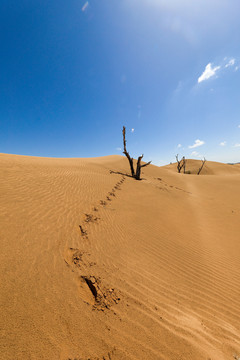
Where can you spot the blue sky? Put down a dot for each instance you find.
(72, 73)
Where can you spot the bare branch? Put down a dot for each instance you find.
(200, 169)
(146, 164)
(184, 165)
(181, 164)
(127, 153)
(139, 166)
(124, 139)
(138, 170)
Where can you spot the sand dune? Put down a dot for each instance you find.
(209, 168)
(97, 265)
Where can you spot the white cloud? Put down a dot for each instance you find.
(223, 143)
(179, 87)
(194, 153)
(179, 146)
(132, 130)
(85, 6)
(208, 72)
(230, 63)
(239, 126)
(237, 145)
(118, 149)
(211, 71)
(197, 143)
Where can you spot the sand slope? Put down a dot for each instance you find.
(209, 168)
(96, 265)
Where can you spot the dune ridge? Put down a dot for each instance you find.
(97, 265)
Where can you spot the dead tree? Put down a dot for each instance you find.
(136, 175)
(139, 167)
(127, 153)
(201, 167)
(184, 165)
(181, 164)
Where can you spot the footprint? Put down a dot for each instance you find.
(84, 293)
(108, 356)
(83, 232)
(91, 218)
(99, 296)
(74, 256)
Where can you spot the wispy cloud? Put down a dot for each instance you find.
(223, 143)
(239, 126)
(231, 62)
(179, 146)
(196, 154)
(132, 130)
(197, 143)
(85, 6)
(179, 87)
(118, 149)
(237, 145)
(208, 72)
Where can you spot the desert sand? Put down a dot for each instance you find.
(97, 265)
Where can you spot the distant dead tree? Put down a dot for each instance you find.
(181, 164)
(184, 165)
(136, 175)
(201, 167)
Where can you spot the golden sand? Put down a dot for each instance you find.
(96, 265)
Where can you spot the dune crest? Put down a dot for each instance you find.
(96, 265)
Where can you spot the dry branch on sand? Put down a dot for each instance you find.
(136, 175)
(201, 167)
(181, 164)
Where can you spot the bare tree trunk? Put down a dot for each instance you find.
(138, 170)
(127, 153)
(139, 167)
(178, 164)
(181, 164)
(184, 165)
(137, 176)
(200, 169)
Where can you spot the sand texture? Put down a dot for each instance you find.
(96, 265)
